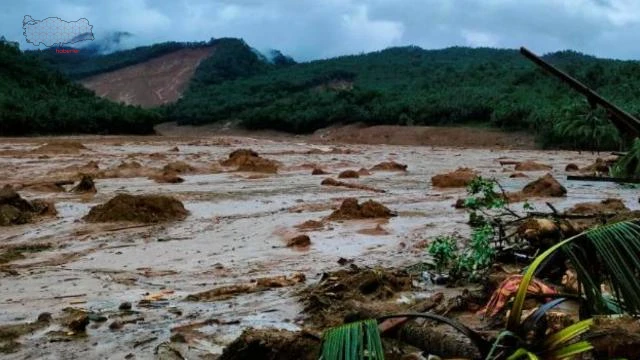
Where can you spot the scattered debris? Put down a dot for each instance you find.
(86, 185)
(138, 208)
(261, 284)
(348, 174)
(389, 166)
(601, 166)
(532, 166)
(318, 171)
(333, 182)
(541, 233)
(310, 225)
(179, 167)
(508, 289)
(174, 149)
(299, 241)
(168, 177)
(458, 178)
(571, 167)
(14, 210)
(249, 160)
(44, 187)
(271, 344)
(350, 210)
(60, 147)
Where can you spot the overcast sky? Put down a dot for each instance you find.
(311, 29)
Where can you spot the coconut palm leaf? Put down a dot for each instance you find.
(353, 341)
(628, 165)
(609, 254)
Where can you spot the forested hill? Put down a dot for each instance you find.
(37, 100)
(413, 86)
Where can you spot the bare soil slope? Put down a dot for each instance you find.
(152, 83)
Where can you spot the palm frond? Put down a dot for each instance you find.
(609, 254)
(354, 341)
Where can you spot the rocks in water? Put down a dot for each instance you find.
(179, 167)
(138, 208)
(571, 167)
(14, 210)
(363, 172)
(458, 178)
(249, 160)
(125, 306)
(546, 186)
(348, 174)
(318, 171)
(532, 166)
(299, 241)
(168, 177)
(86, 185)
(389, 166)
(350, 209)
(607, 206)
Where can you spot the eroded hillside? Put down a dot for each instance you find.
(152, 83)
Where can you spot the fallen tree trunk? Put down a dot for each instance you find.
(438, 342)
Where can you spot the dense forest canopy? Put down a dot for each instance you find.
(38, 100)
(410, 86)
(402, 85)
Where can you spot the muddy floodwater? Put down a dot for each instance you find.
(236, 232)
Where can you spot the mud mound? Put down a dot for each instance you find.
(571, 167)
(167, 177)
(607, 206)
(126, 170)
(179, 167)
(90, 168)
(333, 182)
(518, 175)
(138, 208)
(60, 147)
(271, 344)
(363, 172)
(532, 166)
(310, 225)
(339, 292)
(299, 241)
(44, 187)
(546, 186)
(157, 156)
(599, 166)
(348, 174)
(459, 178)
(249, 160)
(350, 209)
(318, 171)
(389, 166)
(14, 210)
(86, 185)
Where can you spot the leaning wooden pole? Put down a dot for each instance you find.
(626, 123)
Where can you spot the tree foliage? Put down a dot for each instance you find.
(37, 100)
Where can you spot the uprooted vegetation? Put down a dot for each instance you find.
(138, 208)
(249, 160)
(14, 210)
(350, 209)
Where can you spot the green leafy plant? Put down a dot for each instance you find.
(444, 251)
(479, 254)
(628, 166)
(353, 341)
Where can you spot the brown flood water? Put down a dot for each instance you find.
(236, 231)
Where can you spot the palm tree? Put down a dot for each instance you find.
(587, 127)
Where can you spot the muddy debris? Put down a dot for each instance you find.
(270, 344)
(364, 172)
(348, 174)
(607, 206)
(333, 182)
(389, 166)
(138, 208)
(167, 177)
(46, 187)
(518, 175)
(546, 186)
(541, 233)
(75, 319)
(125, 306)
(350, 209)
(261, 284)
(174, 149)
(60, 147)
(16, 252)
(157, 156)
(14, 210)
(249, 160)
(458, 178)
(310, 225)
(86, 185)
(378, 230)
(532, 166)
(11, 333)
(179, 167)
(345, 291)
(614, 338)
(600, 166)
(571, 167)
(318, 171)
(299, 241)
